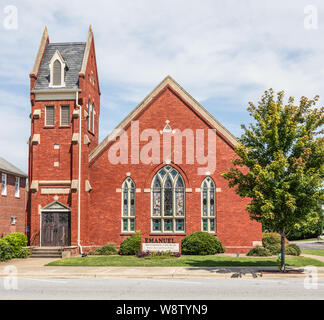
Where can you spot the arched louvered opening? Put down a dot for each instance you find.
(57, 73)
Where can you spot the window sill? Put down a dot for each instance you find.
(128, 233)
(65, 127)
(49, 127)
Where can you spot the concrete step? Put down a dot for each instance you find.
(46, 252)
(45, 256)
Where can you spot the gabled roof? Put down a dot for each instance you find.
(168, 81)
(7, 167)
(72, 53)
(56, 206)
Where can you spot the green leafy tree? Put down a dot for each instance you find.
(280, 163)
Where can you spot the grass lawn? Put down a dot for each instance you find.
(316, 252)
(183, 261)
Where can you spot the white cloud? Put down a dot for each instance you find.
(219, 51)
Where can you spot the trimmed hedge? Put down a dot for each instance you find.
(201, 243)
(272, 242)
(106, 250)
(131, 246)
(293, 250)
(259, 252)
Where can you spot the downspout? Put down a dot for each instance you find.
(79, 173)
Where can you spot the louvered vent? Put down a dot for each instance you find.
(65, 115)
(57, 73)
(50, 115)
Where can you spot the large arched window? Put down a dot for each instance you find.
(128, 206)
(208, 206)
(168, 201)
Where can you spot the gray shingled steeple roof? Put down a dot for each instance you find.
(7, 167)
(72, 53)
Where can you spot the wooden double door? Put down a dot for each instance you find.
(56, 229)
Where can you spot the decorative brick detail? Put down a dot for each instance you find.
(75, 138)
(36, 138)
(86, 140)
(55, 191)
(37, 114)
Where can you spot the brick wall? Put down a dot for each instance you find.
(234, 227)
(11, 206)
(101, 208)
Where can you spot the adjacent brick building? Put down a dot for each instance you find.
(12, 199)
(86, 194)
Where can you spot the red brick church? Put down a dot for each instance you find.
(157, 172)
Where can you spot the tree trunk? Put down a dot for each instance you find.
(283, 262)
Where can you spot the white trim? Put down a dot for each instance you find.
(131, 190)
(17, 190)
(55, 191)
(40, 52)
(37, 113)
(185, 95)
(162, 217)
(4, 184)
(36, 138)
(55, 95)
(210, 184)
(57, 57)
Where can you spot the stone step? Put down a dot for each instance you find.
(46, 252)
(46, 256)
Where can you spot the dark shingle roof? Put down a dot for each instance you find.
(72, 53)
(7, 167)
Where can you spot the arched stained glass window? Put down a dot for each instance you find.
(208, 205)
(128, 205)
(168, 201)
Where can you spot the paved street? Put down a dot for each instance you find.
(149, 289)
(310, 245)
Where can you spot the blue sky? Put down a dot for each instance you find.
(224, 53)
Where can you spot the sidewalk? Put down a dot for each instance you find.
(35, 268)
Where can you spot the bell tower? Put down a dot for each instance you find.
(65, 109)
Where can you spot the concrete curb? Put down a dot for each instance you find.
(167, 275)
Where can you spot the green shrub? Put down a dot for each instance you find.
(131, 246)
(201, 243)
(6, 251)
(259, 252)
(23, 253)
(16, 240)
(272, 242)
(293, 250)
(106, 250)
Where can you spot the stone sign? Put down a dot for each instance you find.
(164, 247)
